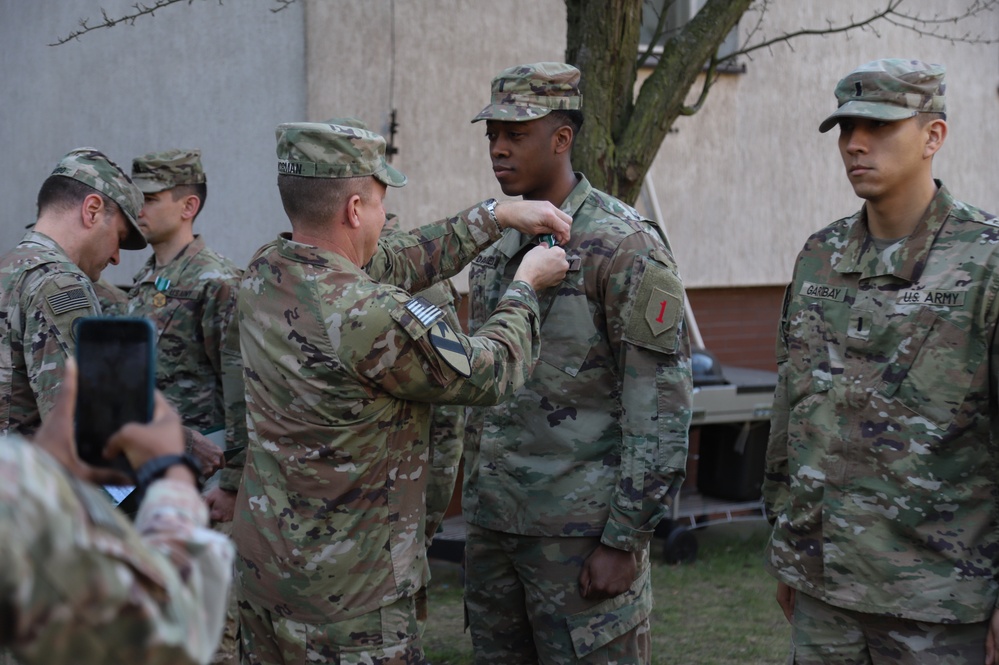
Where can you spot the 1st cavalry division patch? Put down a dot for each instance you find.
(449, 348)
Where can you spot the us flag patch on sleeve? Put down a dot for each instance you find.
(68, 300)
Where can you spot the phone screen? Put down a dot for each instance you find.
(117, 374)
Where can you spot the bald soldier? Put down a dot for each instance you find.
(87, 210)
(341, 369)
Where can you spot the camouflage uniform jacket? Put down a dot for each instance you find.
(882, 466)
(80, 584)
(341, 372)
(42, 292)
(597, 438)
(112, 299)
(196, 369)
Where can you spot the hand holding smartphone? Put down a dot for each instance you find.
(117, 376)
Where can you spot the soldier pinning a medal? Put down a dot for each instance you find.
(88, 210)
(342, 366)
(881, 466)
(566, 481)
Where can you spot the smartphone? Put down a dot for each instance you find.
(116, 382)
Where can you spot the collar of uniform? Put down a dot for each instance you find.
(513, 242)
(907, 263)
(149, 269)
(317, 256)
(43, 240)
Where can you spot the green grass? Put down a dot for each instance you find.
(718, 610)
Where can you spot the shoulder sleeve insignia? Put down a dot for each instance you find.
(657, 308)
(449, 347)
(67, 300)
(424, 311)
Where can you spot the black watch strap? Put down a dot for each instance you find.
(154, 469)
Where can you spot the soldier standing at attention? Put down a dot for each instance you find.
(87, 209)
(341, 371)
(565, 482)
(189, 291)
(881, 466)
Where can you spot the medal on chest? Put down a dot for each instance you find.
(161, 284)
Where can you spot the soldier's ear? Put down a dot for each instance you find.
(562, 139)
(353, 216)
(936, 133)
(91, 209)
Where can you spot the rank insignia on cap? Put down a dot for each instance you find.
(445, 341)
(425, 311)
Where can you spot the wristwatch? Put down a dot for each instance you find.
(155, 468)
(490, 206)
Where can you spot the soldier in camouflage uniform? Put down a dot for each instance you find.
(447, 421)
(189, 292)
(87, 209)
(565, 482)
(881, 467)
(112, 299)
(79, 582)
(341, 371)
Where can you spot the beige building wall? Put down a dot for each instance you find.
(435, 73)
(744, 182)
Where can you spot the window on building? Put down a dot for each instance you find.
(678, 13)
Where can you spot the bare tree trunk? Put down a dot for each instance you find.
(622, 133)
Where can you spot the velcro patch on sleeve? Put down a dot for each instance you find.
(656, 308)
(449, 347)
(424, 311)
(67, 300)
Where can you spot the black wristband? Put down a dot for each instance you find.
(154, 469)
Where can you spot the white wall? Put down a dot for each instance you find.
(218, 77)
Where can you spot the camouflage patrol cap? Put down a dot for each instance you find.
(528, 92)
(327, 150)
(94, 169)
(891, 89)
(159, 171)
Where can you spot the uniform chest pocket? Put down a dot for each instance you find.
(807, 342)
(933, 367)
(567, 331)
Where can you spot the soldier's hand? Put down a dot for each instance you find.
(55, 436)
(992, 640)
(164, 435)
(534, 218)
(543, 267)
(607, 572)
(221, 504)
(785, 598)
(209, 456)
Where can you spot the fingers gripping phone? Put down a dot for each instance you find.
(116, 358)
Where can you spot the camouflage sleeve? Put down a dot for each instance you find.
(776, 483)
(430, 362)
(81, 584)
(643, 301)
(447, 425)
(234, 401)
(416, 259)
(50, 309)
